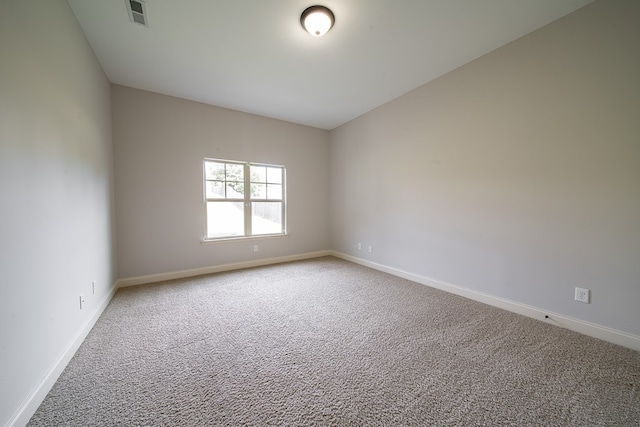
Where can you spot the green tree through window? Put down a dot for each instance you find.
(232, 212)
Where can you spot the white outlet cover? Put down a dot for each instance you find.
(582, 295)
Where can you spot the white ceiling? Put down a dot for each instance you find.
(253, 55)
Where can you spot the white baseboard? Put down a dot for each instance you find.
(586, 328)
(152, 278)
(31, 403)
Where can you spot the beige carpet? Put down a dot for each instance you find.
(327, 342)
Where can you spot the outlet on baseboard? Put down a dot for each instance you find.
(582, 295)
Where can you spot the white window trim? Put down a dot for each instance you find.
(217, 240)
(247, 179)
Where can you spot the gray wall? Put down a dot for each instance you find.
(56, 233)
(160, 143)
(517, 175)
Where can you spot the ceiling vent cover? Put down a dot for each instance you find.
(137, 11)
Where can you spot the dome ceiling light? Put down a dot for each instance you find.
(317, 20)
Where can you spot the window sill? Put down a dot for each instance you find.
(242, 238)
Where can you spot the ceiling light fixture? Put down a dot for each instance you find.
(317, 20)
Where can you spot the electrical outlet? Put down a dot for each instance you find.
(370, 248)
(81, 301)
(255, 248)
(582, 295)
(359, 246)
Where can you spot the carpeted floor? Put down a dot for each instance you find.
(327, 342)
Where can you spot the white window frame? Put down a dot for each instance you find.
(247, 200)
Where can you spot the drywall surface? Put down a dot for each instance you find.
(517, 175)
(56, 184)
(160, 144)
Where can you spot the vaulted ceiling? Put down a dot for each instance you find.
(253, 55)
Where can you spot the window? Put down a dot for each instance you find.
(243, 199)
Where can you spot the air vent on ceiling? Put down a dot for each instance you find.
(137, 11)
